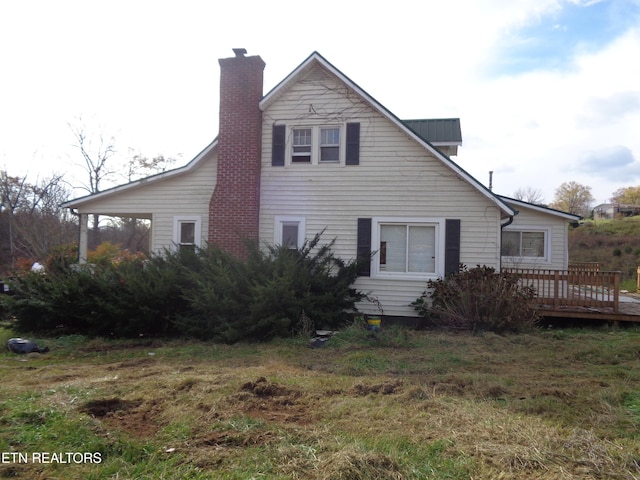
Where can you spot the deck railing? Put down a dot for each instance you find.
(573, 287)
(584, 266)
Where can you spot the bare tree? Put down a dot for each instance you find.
(140, 166)
(96, 151)
(32, 220)
(529, 195)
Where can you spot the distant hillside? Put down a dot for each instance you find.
(615, 244)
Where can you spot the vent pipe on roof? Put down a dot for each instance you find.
(490, 180)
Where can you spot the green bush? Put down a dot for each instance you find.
(266, 295)
(124, 300)
(206, 294)
(478, 299)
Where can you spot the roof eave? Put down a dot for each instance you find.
(77, 202)
(540, 208)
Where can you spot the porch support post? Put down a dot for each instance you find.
(83, 241)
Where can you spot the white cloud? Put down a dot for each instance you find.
(615, 162)
(149, 72)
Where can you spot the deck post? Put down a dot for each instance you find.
(556, 287)
(616, 292)
(638, 286)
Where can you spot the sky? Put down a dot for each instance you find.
(547, 91)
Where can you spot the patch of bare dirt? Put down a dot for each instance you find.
(263, 388)
(108, 406)
(133, 416)
(272, 402)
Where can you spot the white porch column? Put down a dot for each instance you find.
(83, 241)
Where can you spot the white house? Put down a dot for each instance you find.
(317, 153)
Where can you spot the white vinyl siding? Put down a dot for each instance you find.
(554, 228)
(396, 178)
(184, 195)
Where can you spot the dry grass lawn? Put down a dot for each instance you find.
(403, 405)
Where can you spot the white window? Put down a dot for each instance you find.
(187, 231)
(408, 248)
(330, 144)
(316, 144)
(289, 231)
(525, 244)
(301, 145)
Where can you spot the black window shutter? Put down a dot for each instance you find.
(452, 246)
(364, 247)
(278, 145)
(353, 144)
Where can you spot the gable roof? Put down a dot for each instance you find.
(144, 181)
(540, 208)
(426, 131)
(316, 59)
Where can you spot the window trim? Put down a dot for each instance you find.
(316, 146)
(281, 220)
(178, 220)
(546, 258)
(330, 145)
(438, 223)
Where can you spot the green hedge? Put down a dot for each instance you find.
(206, 294)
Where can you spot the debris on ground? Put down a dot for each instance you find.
(321, 338)
(23, 346)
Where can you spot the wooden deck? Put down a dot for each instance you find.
(581, 292)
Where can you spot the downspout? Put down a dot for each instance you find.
(502, 225)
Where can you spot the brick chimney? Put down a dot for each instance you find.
(235, 204)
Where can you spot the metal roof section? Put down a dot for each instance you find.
(540, 208)
(77, 202)
(437, 131)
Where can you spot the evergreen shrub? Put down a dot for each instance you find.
(202, 293)
(266, 295)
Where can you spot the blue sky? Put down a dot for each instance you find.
(547, 91)
(552, 39)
